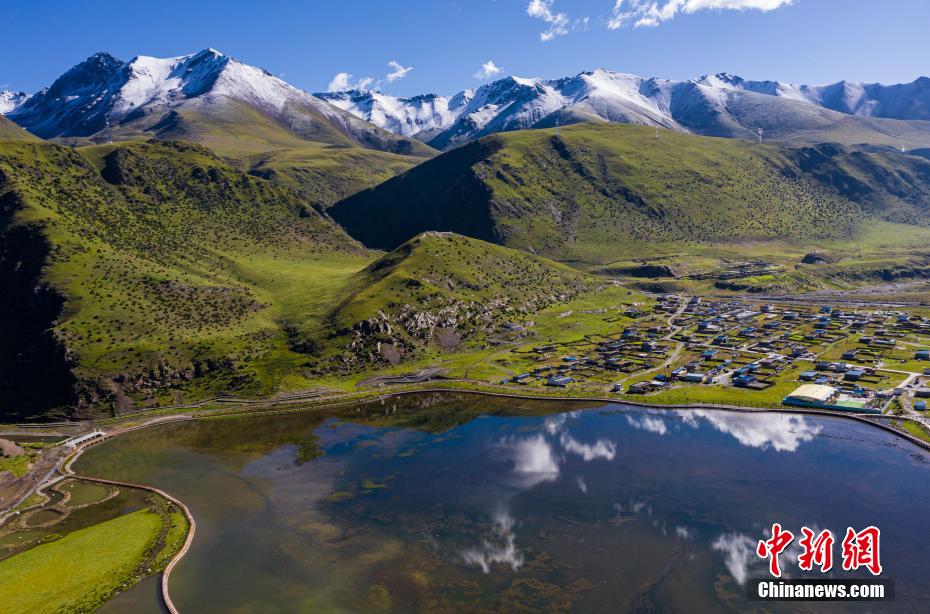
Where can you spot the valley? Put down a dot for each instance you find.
(171, 273)
(389, 327)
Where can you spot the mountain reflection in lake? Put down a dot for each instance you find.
(464, 503)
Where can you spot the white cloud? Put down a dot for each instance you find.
(501, 548)
(602, 448)
(739, 551)
(343, 81)
(652, 424)
(781, 432)
(340, 82)
(488, 69)
(558, 22)
(533, 460)
(399, 72)
(650, 13)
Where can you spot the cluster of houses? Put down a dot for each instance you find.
(636, 348)
(744, 345)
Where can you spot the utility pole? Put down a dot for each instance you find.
(557, 129)
(657, 134)
(760, 134)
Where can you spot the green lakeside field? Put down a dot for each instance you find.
(75, 573)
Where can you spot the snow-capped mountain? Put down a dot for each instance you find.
(190, 95)
(902, 101)
(9, 101)
(717, 105)
(405, 116)
(154, 94)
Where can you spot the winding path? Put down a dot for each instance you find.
(65, 470)
(64, 466)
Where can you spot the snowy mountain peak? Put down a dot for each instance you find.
(104, 89)
(722, 79)
(103, 97)
(721, 104)
(9, 101)
(525, 82)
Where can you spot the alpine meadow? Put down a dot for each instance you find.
(350, 317)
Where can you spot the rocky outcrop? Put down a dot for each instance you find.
(817, 258)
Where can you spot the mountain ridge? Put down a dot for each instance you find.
(711, 105)
(103, 98)
(610, 190)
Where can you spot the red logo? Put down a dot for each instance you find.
(860, 549)
(816, 550)
(773, 547)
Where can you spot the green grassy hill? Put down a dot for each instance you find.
(9, 130)
(154, 272)
(131, 268)
(305, 151)
(308, 154)
(441, 292)
(601, 193)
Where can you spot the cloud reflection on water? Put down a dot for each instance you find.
(648, 423)
(602, 448)
(533, 459)
(778, 431)
(499, 548)
(738, 554)
(582, 486)
(783, 432)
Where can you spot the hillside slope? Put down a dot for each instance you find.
(441, 292)
(253, 119)
(154, 273)
(600, 192)
(131, 269)
(9, 130)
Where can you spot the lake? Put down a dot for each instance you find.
(464, 503)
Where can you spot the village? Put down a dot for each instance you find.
(861, 360)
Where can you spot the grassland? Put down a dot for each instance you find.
(600, 196)
(17, 465)
(76, 574)
(439, 295)
(156, 258)
(171, 276)
(321, 163)
(165, 272)
(9, 130)
(915, 429)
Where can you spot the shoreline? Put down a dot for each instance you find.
(64, 470)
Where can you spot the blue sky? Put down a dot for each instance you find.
(445, 42)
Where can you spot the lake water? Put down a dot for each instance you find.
(463, 503)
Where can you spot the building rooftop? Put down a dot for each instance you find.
(814, 393)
